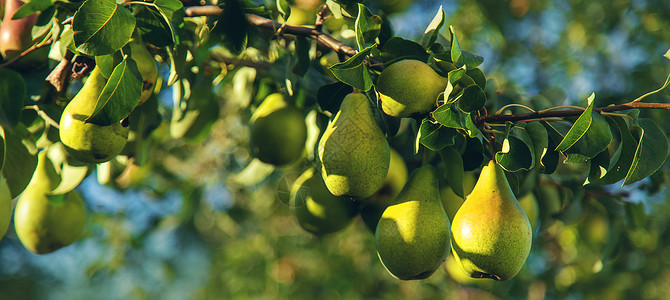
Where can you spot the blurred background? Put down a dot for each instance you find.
(204, 221)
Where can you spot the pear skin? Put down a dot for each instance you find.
(278, 131)
(146, 64)
(491, 235)
(354, 153)
(44, 222)
(88, 142)
(453, 202)
(5, 206)
(409, 87)
(316, 209)
(374, 206)
(412, 237)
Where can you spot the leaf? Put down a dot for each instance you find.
(120, 95)
(353, 71)
(651, 151)
(20, 162)
(106, 63)
(71, 174)
(433, 29)
(664, 86)
(623, 157)
(460, 57)
(397, 48)
(159, 22)
(473, 154)
(540, 141)
(368, 26)
(329, 96)
(31, 7)
(599, 163)
(578, 128)
(516, 153)
(595, 140)
(478, 77)
(473, 99)
(302, 46)
(667, 54)
(447, 116)
(12, 97)
(453, 77)
(435, 136)
(102, 27)
(283, 8)
(233, 26)
(453, 163)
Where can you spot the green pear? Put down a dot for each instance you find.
(88, 142)
(453, 202)
(278, 131)
(44, 222)
(529, 204)
(354, 153)
(16, 37)
(374, 206)
(5, 206)
(412, 237)
(409, 87)
(316, 209)
(491, 234)
(146, 64)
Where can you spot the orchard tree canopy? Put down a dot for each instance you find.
(310, 149)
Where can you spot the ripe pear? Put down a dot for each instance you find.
(374, 206)
(354, 153)
(5, 206)
(44, 222)
(491, 234)
(316, 209)
(16, 37)
(412, 237)
(278, 131)
(453, 202)
(409, 87)
(88, 142)
(146, 65)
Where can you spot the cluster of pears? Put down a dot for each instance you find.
(91, 143)
(46, 222)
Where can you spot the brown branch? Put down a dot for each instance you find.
(321, 17)
(321, 38)
(241, 62)
(479, 120)
(27, 52)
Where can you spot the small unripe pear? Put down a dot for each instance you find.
(412, 237)
(146, 64)
(278, 131)
(354, 153)
(409, 87)
(491, 234)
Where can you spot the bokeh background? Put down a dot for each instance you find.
(197, 221)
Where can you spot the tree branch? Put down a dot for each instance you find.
(479, 120)
(321, 38)
(25, 53)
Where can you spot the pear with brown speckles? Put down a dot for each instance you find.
(491, 234)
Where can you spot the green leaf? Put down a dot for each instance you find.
(433, 29)
(20, 162)
(106, 63)
(71, 174)
(353, 71)
(595, 140)
(3, 148)
(329, 96)
(397, 48)
(516, 153)
(284, 8)
(664, 86)
(454, 164)
(233, 26)
(599, 164)
(470, 126)
(447, 116)
(159, 22)
(453, 77)
(473, 154)
(539, 140)
(478, 77)
(473, 99)
(667, 54)
(579, 128)
(651, 151)
(460, 57)
(302, 46)
(435, 136)
(368, 26)
(120, 95)
(31, 7)
(12, 97)
(102, 27)
(622, 159)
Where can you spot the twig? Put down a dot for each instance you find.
(43, 114)
(28, 51)
(241, 62)
(321, 17)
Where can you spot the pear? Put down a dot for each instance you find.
(278, 131)
(409, 87)
(491, 234)
(316, 209)
(16, 37)
(412, 237)
(374, 206)
(146, 64)
(88, 142)
(5, 206)
(354, 153)
(44, 222)
(453, 202)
